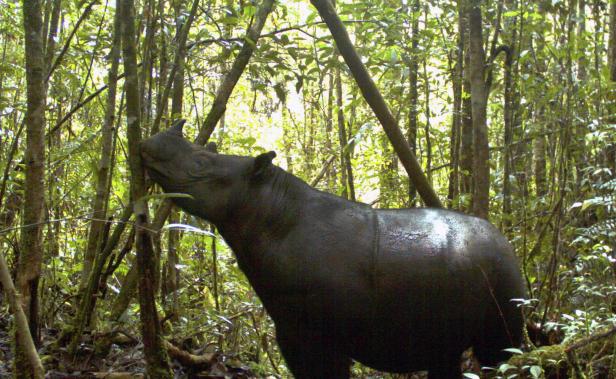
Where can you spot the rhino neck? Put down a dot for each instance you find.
(265, 216)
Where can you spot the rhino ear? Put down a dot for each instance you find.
(262, 164)
(177, 126)
(211, 147)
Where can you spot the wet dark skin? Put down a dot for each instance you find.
(398, 290)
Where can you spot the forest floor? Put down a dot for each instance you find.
(121, 361)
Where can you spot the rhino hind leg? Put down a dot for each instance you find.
(310, 354)
(502, 330)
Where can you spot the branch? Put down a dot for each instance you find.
(588, 340)
(190, 360)
(273, 33)
(83, 16)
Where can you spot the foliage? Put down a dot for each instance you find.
(562, 221)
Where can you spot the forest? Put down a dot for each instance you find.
(505, 110)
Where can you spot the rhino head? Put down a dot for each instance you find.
(218, 184)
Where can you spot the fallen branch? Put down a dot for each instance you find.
(190, 360)
(588, 340)
(21, 322)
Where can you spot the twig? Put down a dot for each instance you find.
(83, 16)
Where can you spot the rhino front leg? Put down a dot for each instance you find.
(311, 354)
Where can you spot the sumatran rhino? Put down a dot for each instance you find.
(398, 290)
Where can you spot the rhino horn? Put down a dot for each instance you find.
(177, 126)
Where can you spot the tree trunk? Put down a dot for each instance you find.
(177, 100)
(466, 132)
(329, 127)
(610, 153)
(579, 147)
(172, 273)
(30, 246)
(427, 124)
(157, 364)
(99, 204)
(345, 155)
(510, 108)
(50, 46)
(456, 124)
(413, 94)
(479, 98)
(539, 143)
(612, 42)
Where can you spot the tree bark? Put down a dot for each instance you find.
(612, 42)
(345, 155)
(539, 143)
(466, 132)
(31, 242)
(413, 93)
(579, 147)
(427, 136)
(510, 108)
(157, 364)
(610, 153)
(177, 99)
(376, 102)
(50, 46)
(456, 124)
(479, 98)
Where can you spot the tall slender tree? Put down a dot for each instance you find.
(479, 102)
(413, 66)
(31, 242)
(155, 356)
(466, 127)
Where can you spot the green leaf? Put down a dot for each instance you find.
(470, 375)
(250, 11)
(536, 371)
(513, 350)
(311, 17)
(505, 367)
